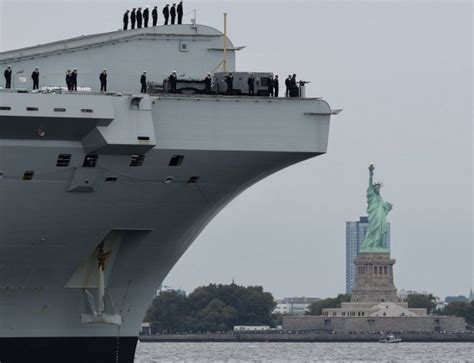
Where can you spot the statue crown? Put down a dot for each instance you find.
(379, 183)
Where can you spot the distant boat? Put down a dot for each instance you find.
(390, 339)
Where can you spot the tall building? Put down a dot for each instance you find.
(355, 234)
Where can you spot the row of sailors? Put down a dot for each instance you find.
(139, 18)
(8, 77)
(71, 82)
(273, 85)
(71, 79)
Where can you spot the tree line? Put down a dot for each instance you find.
(211, 308)
(462, 309)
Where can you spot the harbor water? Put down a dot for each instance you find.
(304, 352)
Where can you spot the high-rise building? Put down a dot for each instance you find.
(355, 234)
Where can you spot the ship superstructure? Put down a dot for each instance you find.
(101, 194)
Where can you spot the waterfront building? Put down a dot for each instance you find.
(294, 305)
(403, 294)
(471, 297)
(166, 288)
(355, 234)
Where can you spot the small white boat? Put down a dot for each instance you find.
(390, 339)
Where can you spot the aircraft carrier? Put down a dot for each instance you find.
(102, 193)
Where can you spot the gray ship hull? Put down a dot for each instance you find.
(147, 215)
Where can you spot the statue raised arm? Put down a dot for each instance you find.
(371, 174)
(377, 210)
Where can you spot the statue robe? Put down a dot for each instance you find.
(377, 212)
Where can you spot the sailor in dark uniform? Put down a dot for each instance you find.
(125, 20)
(173, 80)
(8, 77)
(251, 84)
(74, 80)
(143, 82)
(276, 85)
(146, 15)
(229, 80)
(270, 86)
(287, 84)
(133, 18)
(166, 13)
(103, 80)
(35, 78)
(208, 83)
(179, 11)
(154, 15)
(173, 14)
(139, 18)
(294, 92)
(68, 79)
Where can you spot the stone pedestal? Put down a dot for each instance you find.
(374, 278)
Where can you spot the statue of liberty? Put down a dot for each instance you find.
(377, 211)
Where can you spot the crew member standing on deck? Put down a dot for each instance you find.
(154, 15)
(143, 82)
(287, 84)
(208, 83)
(103, 80)
(68, 79)
(270, 86)
(133, 18)
(251, 84)
(8, 77)
(276, 85)
(146, 15)
(166, 13)
(179, 10)
(173, 80)
(125, 20)
(173, 14)
(294, 92)
(230, 83)
(35, 77)
(139, 18)
(74, 80)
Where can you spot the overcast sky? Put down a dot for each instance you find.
(402, 72)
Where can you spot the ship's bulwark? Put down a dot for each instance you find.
(199, 153)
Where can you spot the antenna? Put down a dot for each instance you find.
(225, 43)
(194, 19)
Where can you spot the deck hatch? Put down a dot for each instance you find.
(63, 160)
(137, 160)
(111, 179)
(28, 175)
(176, 160)
(90, 161)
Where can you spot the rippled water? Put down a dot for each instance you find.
(304, 352)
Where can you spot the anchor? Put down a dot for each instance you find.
(96, 313)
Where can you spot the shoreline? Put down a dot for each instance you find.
(305, 338)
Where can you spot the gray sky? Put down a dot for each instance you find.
(402, 71)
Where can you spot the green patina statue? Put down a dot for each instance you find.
(377, 211)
